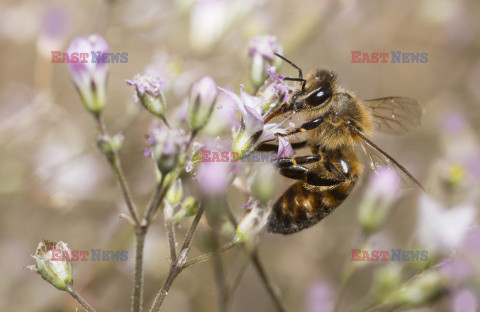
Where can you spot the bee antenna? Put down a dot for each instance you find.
(300, 75)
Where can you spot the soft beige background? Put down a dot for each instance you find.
(55, 185)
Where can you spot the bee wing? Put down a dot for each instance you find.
(379, 158)
(394, 115)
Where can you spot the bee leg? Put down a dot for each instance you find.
(267, 147)
(292, 168)
(305, 127)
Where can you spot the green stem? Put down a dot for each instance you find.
(209, 255)
(79, 299)
(137, 299)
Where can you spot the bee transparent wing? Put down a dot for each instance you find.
(377, 158)
(394, 115)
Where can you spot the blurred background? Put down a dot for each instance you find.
(56, 185)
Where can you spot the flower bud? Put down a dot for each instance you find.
(167, 147)
(261, 55)
(168, 212)
(189, 208)
(274, 92)
(424, 289)
(251, 224)
(89, 75)
(201, 103)
(110, 144)
(264, 185)
(149, 93)
(387, 278)
(175, 193)
(53, 263)
(381, 193)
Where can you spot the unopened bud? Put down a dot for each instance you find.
(175, 193)
(261, 56)
(387, 278)
(424, 289)
(149, 94)
(168, 212)
(264, 185)
(110, 144)
(90, 77)
(201, 102)
(377, 201)
(251, 224)
(53, 262)
(189, 208)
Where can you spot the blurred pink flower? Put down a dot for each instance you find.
(384, 183)
(457, 269)
(464, 301)
(472, 241)
(382, 191)
(213, 177)
(441, 228)
(54, 22)
(264, 46)
(201, 103)
(453, 121)
(320, 298)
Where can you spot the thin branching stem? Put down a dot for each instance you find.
(267, 282)
(210, 255)
(79, 299)
(114, 162)
(177, 266)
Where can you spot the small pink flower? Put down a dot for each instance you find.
(252, 130)
(90, 77)
(284, 148)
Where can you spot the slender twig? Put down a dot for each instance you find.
(271, 289)
(210, 255)
(140, 231)
(79, 299)
(177, 266)
(114, 162)
(238, 277)
(171, 240)
(137, 298)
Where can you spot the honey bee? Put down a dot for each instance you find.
(338, 122)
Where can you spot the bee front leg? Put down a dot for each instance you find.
(305, 127)
(268, 147)
(292, 168)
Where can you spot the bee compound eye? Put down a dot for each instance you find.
(321, 96)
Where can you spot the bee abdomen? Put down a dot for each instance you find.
(299, 208)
